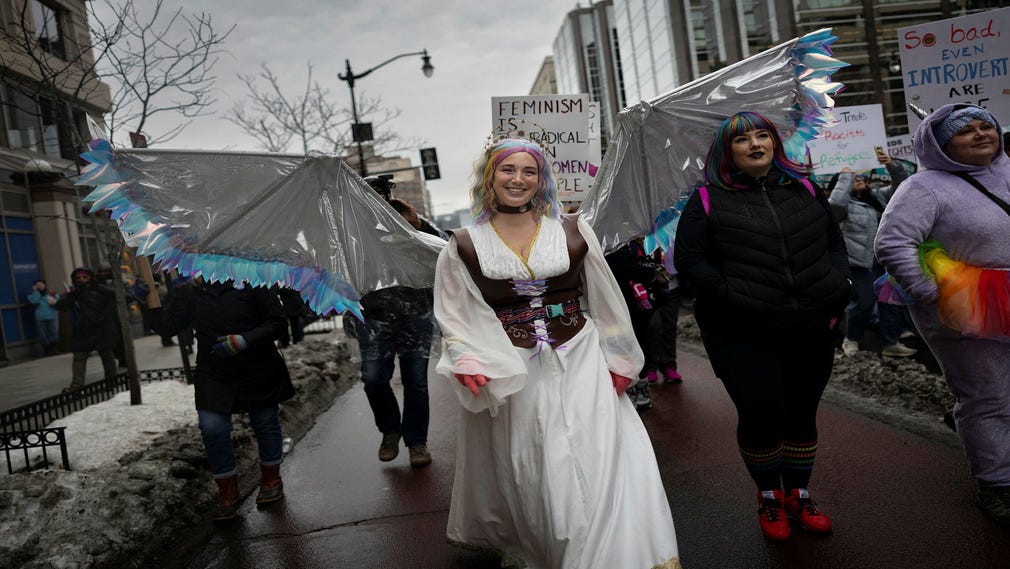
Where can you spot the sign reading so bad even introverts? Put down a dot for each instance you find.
(567, 126)
(851, 142)
(958, 60)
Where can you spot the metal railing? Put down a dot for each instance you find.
(19, 443)
(35, 416)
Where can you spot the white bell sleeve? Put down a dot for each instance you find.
(473, 340)
(606, 306)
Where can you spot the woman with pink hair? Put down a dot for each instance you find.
(767, 262)
(554, 466)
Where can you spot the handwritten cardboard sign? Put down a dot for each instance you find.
(900, 147)
(567, 126)
(958, 60)
(850, 142)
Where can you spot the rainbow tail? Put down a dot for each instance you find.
(973, 300)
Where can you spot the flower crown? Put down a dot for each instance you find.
(520, 129)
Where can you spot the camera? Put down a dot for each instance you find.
(383, 184)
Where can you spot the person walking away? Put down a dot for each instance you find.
(398, 322)
(943, 239)
(858, 208)
(294, 314)
(763, 253)
(553, 464)
(150, 316)
(638, 280)
(663, 326)
(238, 370)
(47, 318)
(95, 325)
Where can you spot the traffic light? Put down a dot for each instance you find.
(429, 164)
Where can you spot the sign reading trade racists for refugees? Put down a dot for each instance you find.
(564, 125)
(958, 60)
(851, 142)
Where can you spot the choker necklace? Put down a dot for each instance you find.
(514, 209)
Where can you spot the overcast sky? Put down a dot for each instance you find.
(479, 50)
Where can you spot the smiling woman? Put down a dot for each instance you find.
(975, 143)
(954, 215)
(539, 346)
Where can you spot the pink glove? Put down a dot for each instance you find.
(472, 382)
(621, 383)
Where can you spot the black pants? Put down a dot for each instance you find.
(776, 385)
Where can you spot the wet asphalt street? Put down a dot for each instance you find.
(898, 499)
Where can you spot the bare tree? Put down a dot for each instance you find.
(309, 120)
(52, 71)
(157, 65)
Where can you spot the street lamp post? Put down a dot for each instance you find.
(351, 77)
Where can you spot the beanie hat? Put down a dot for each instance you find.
(958, 119)
(82, 271)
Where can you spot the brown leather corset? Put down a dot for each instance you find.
(534, 309)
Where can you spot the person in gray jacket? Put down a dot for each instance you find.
(858, 208)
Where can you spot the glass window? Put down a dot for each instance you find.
(48, 28)
(17, 223)
(55, 124)
(24, 263)
(7, 295)
(15, 201)
(23, 129)
(12, 331)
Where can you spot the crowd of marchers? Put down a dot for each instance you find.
(552, 345)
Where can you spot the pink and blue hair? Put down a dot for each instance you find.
(719, 167)
(545, 202)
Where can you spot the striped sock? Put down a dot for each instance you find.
(763, 465)
(797, 463)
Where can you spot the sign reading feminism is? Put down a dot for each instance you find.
(566, 126)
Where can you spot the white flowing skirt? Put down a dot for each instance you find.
(565, 476)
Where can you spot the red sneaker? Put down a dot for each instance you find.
(801, 508)
(652, 376)
(772, 516)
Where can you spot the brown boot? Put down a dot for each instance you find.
(227, 500)
(271, 486)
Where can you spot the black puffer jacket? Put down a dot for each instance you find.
(767, 258)
(93, 308)
(252, 379)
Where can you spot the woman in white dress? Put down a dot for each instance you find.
(554, 467)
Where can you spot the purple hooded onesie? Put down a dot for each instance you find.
(935, 204)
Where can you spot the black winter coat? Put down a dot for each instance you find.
(252, 379)
(93, 310)
(769, 258)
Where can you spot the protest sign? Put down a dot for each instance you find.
(958, 60)
(565, 126)
(851, 142)
(900, 147)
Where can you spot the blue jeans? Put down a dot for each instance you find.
(49, 331)
(216, 431)
(891, 318)
(380, 342)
